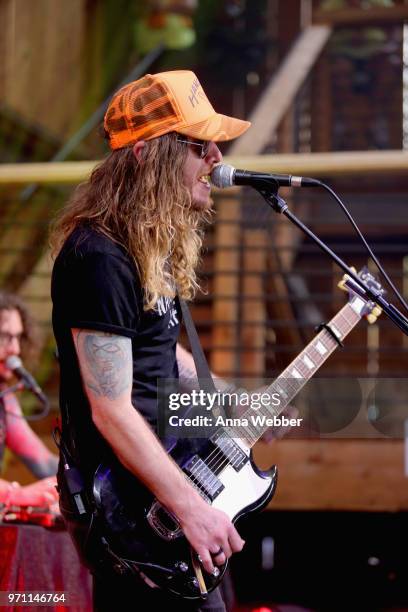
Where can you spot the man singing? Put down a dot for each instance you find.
(129, 238)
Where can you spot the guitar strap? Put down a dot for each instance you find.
(205, 379)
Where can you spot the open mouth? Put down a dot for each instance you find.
(205, 179)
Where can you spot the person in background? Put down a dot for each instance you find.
(18, 337)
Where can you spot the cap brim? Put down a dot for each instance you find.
(216, 128)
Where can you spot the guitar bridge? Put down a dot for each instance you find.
(163, 522)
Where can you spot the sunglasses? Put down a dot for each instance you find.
(6, 338)
(204, 144)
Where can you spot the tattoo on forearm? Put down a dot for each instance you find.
(106, 363)
(41, 469)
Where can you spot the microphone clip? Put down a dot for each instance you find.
(274, 200)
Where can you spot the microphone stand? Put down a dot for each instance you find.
(279, 205)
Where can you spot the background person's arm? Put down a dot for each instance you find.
(25, 443)
(41, 493)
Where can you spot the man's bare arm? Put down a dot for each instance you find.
(188, 373)
(106, 368)
(25, 443)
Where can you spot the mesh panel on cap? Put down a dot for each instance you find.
(140, 110)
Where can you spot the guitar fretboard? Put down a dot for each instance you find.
(296, 375)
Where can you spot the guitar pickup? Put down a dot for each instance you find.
(230, 449)
(202, 476)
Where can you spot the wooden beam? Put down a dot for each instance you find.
(253, 312)
(224, 357)
(345, 163)
(359, 16)
(36, 288)
(281, 309)
(274, 104)
(47, 172)
(281, 91)
(322, 106)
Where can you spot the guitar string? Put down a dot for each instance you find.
(217, 460)
(215, 455)
(218, 455)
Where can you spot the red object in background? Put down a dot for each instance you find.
(32, 515)
(262, 609)
(33, 558)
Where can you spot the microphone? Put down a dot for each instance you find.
(224, 175)
(15, 364)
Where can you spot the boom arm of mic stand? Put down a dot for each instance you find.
(279, 205)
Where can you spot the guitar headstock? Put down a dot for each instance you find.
(359, 301)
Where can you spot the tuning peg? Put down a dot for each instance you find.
(342, 284)
(371, 318)
(374, 314)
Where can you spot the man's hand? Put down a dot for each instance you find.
(41, 493)
(209, 530)
(276, 433)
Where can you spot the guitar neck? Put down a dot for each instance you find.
(297, 374)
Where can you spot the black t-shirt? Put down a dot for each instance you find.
(95, 285)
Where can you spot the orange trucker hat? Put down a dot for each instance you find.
(165, 102)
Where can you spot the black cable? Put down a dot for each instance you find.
(126, 562)
(367, 246)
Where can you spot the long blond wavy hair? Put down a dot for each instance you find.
(144, 207)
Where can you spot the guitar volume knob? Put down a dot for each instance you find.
(182, 566)
(193, 584)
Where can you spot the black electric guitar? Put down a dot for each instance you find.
(141, 531)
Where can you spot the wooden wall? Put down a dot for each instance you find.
(59, 59)
(337, 474)
(41, 49)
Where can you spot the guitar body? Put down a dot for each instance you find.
(140, 530)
